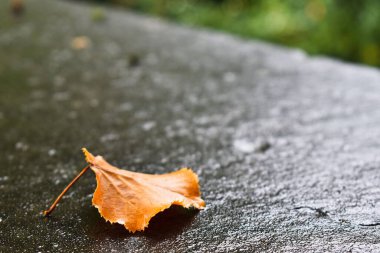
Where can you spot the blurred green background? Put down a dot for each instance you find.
(345, 29)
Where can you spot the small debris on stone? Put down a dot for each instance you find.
(247, 146)
(319, 211)
(80, 43)
(133, 60)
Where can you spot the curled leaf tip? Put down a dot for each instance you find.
(89, 157)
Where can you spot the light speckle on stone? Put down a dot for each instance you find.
(21, 146)
(229, 77)
(52, 152)
(147, 126)
(109, 137)
(244, 146)
(125, 107)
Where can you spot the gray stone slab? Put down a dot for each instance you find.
(286, 146)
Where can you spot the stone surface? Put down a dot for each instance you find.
(286, 146)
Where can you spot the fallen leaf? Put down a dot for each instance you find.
(132, 199)
(17, 7)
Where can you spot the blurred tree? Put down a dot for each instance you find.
(348, 29)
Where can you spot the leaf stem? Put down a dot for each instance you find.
(47, 212)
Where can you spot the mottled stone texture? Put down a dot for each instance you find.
(286, 146)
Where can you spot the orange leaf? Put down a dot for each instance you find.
(132, 199)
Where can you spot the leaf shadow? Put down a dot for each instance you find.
(164, 225)
(170, 222)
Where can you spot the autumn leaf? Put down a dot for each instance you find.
(131, 198)
(17, 7)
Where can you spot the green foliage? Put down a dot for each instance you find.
(347, 29)
(97, 14)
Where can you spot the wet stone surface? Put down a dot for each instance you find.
(286, 146)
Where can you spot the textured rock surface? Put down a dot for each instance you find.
(286, 146)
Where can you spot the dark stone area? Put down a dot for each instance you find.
(287, 147)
